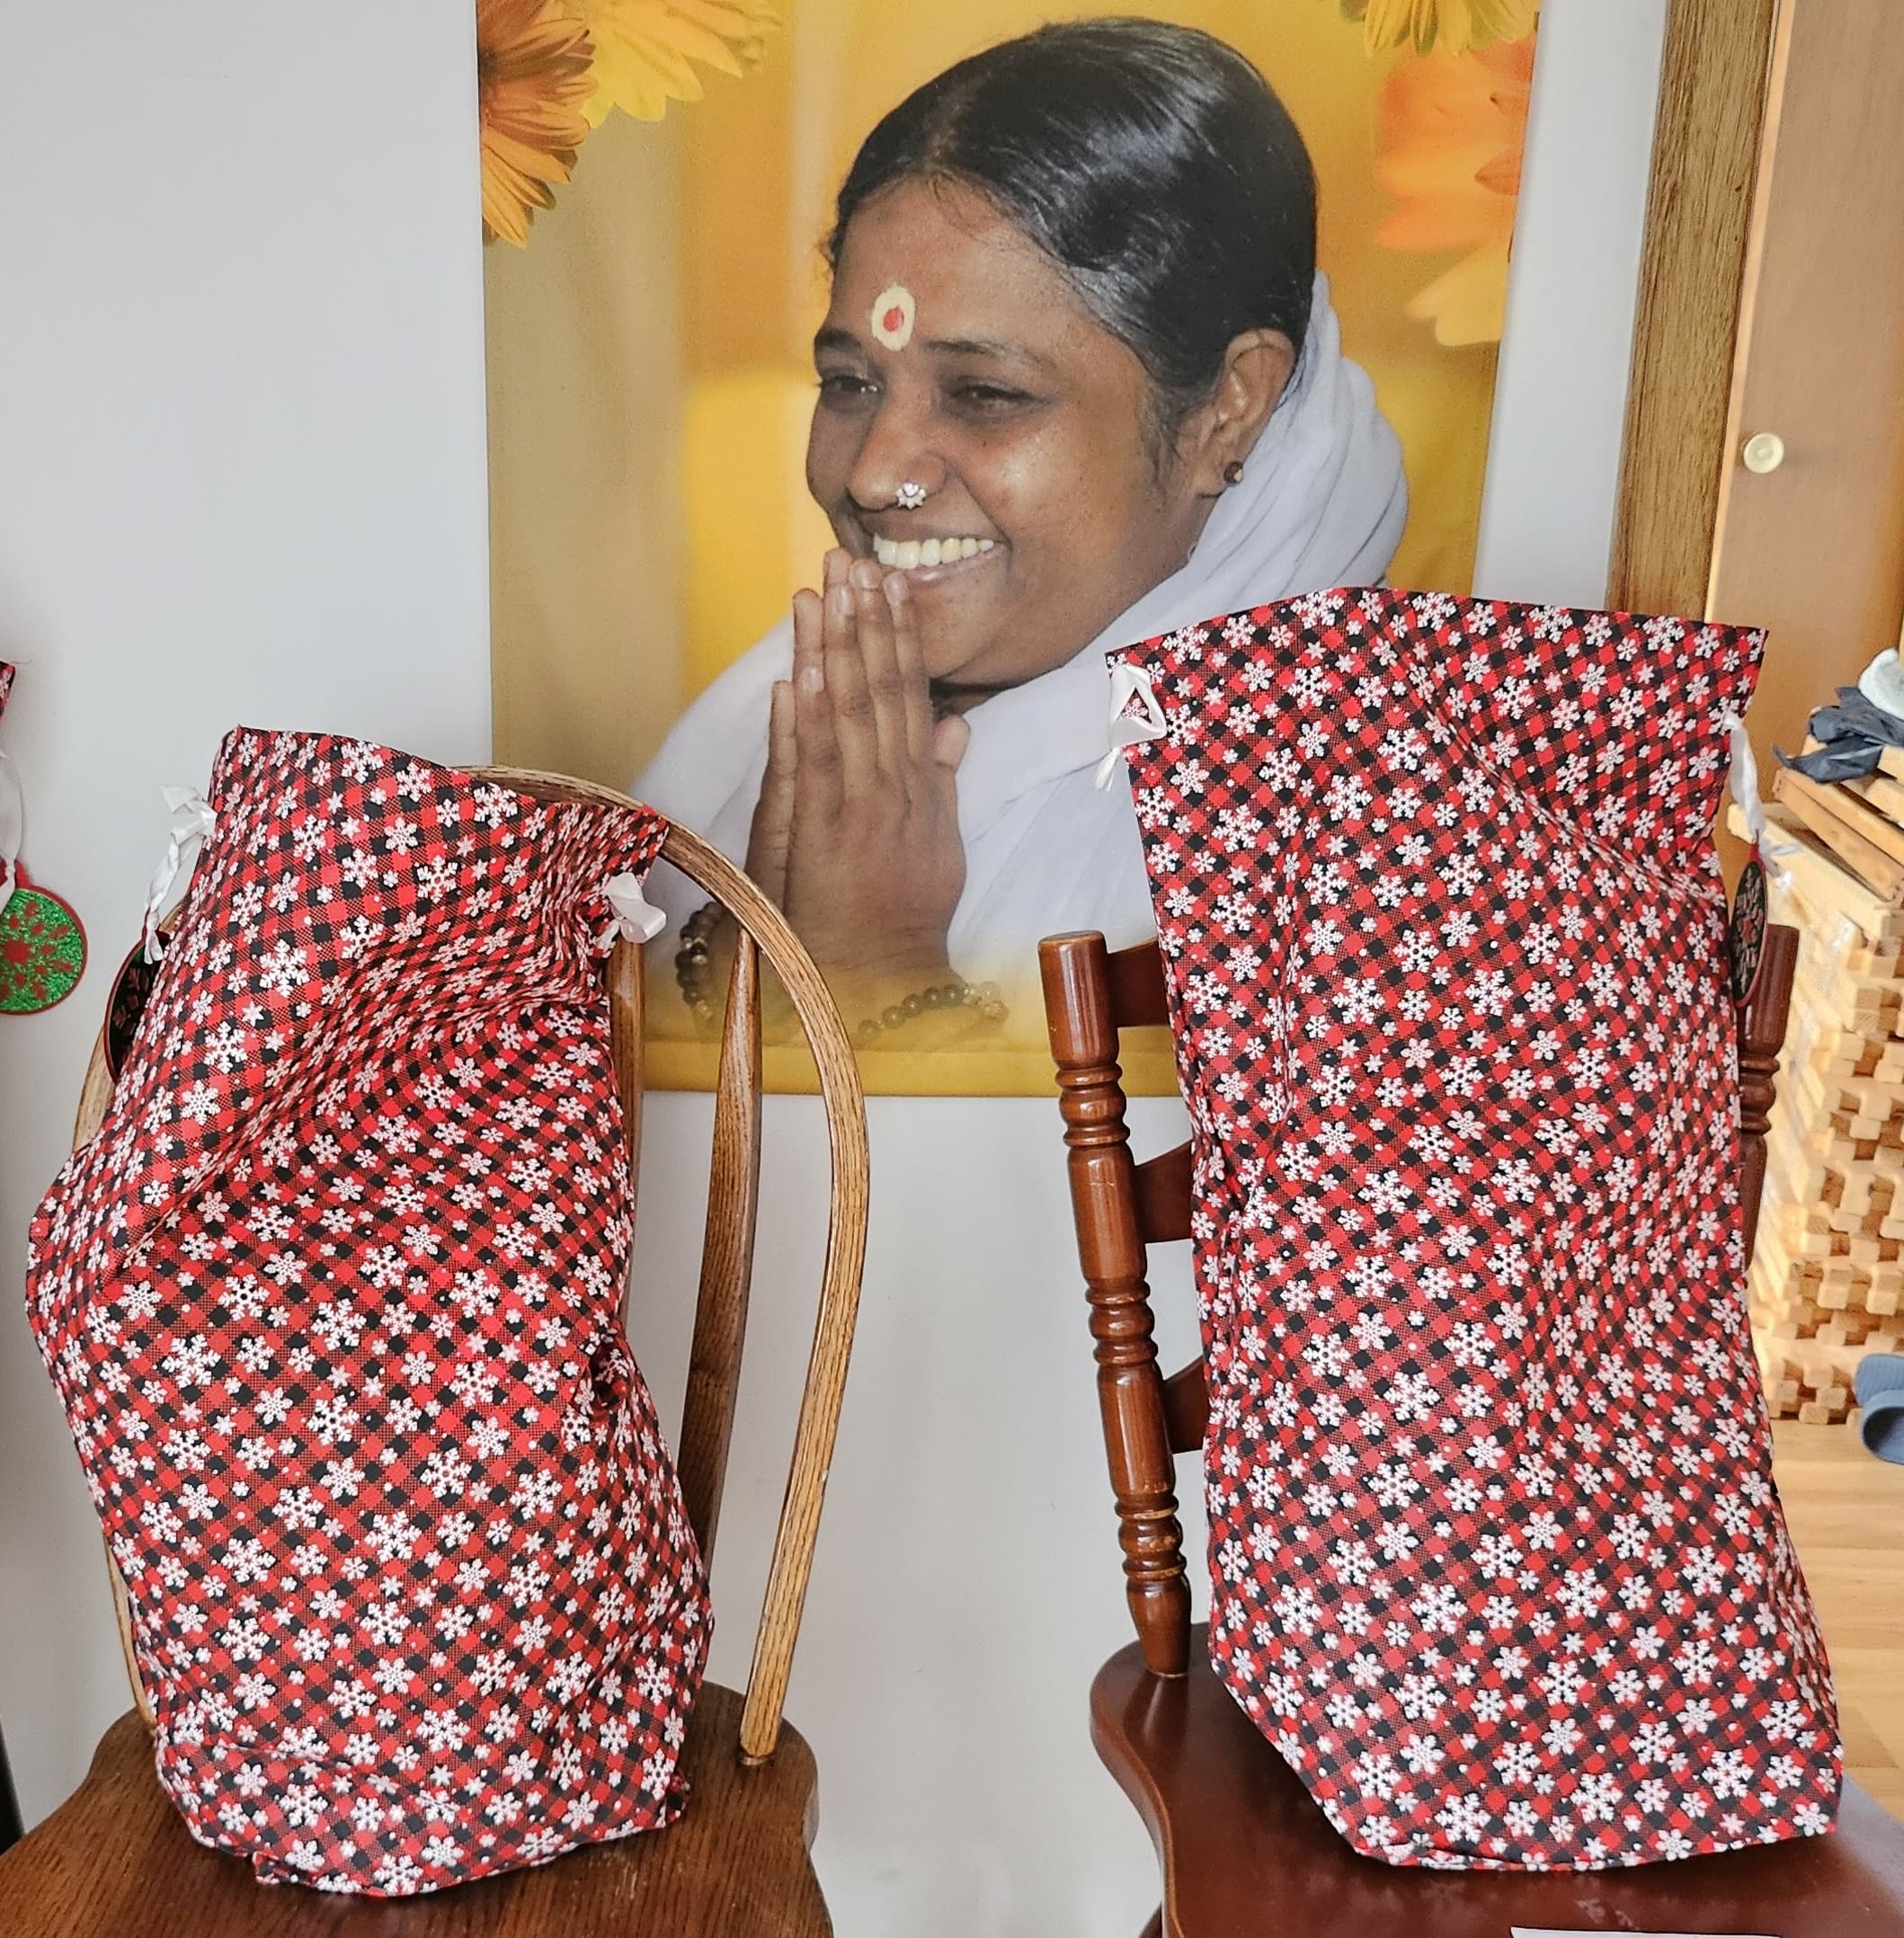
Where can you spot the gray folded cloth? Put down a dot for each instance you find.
(1854, 732)
(1879, 1389)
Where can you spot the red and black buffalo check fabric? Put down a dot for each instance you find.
(1497, 1560)
(332, 1302)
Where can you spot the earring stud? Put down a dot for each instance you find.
(909, 496)
(1234, 471)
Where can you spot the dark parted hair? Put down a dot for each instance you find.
(1151, 164)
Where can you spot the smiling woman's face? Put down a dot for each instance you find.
(1022, 417)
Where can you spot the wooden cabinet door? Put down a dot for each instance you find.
(1814, 548)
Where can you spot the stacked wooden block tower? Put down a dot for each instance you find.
(1828, 1275)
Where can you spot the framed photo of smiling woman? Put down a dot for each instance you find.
(1079, 342)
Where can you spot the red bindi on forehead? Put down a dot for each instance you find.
(893, 311)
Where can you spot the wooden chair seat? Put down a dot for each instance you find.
(1245, 1852)
(115, 1860)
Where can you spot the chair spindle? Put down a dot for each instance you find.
(720, 1317)
(1130, 1388)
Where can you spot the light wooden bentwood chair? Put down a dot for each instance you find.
(1244, 1851)
(115, 1860)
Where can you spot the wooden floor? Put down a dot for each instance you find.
(1846, 1514)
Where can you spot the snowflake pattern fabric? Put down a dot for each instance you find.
(1497, 1560)
(331, 1301)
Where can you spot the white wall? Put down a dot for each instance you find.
(1560, 397)
(240, 474)
(241, 479)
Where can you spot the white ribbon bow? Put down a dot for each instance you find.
(1128, 728)
(13, 822)
(1743, 781)
(1771, 844)
(192, 823)
(637, 919)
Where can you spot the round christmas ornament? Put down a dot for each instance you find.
(42, 946)
(42, 950)
(1746, 929)
(1746, 938)
(130, 988)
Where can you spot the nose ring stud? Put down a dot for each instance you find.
(909, 496)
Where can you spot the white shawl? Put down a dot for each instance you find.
(1322, 504)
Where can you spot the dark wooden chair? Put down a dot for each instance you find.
(115, 1860)
(1244, 1851)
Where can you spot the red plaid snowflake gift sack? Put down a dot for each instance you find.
(332, 1302)
(1497, 1561)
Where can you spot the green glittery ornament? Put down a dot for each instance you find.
(43, 952)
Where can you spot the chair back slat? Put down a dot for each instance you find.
(1079, 1006)
(96, 1096)
(733, 1195)
(720, 1317)
(844, 1103)
(1122, 1207)
(1138, 996)
(1186, 1408)
(1163, 1196)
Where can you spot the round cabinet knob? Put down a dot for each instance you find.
(1764, 452)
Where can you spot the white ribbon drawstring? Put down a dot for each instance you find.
(13, 825)
(1128, 728)
(192, 823)
(1771, 844)
(1744, 783)
(637, 919)
(1774, 849)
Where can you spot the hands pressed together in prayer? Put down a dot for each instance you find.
(856, 834)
